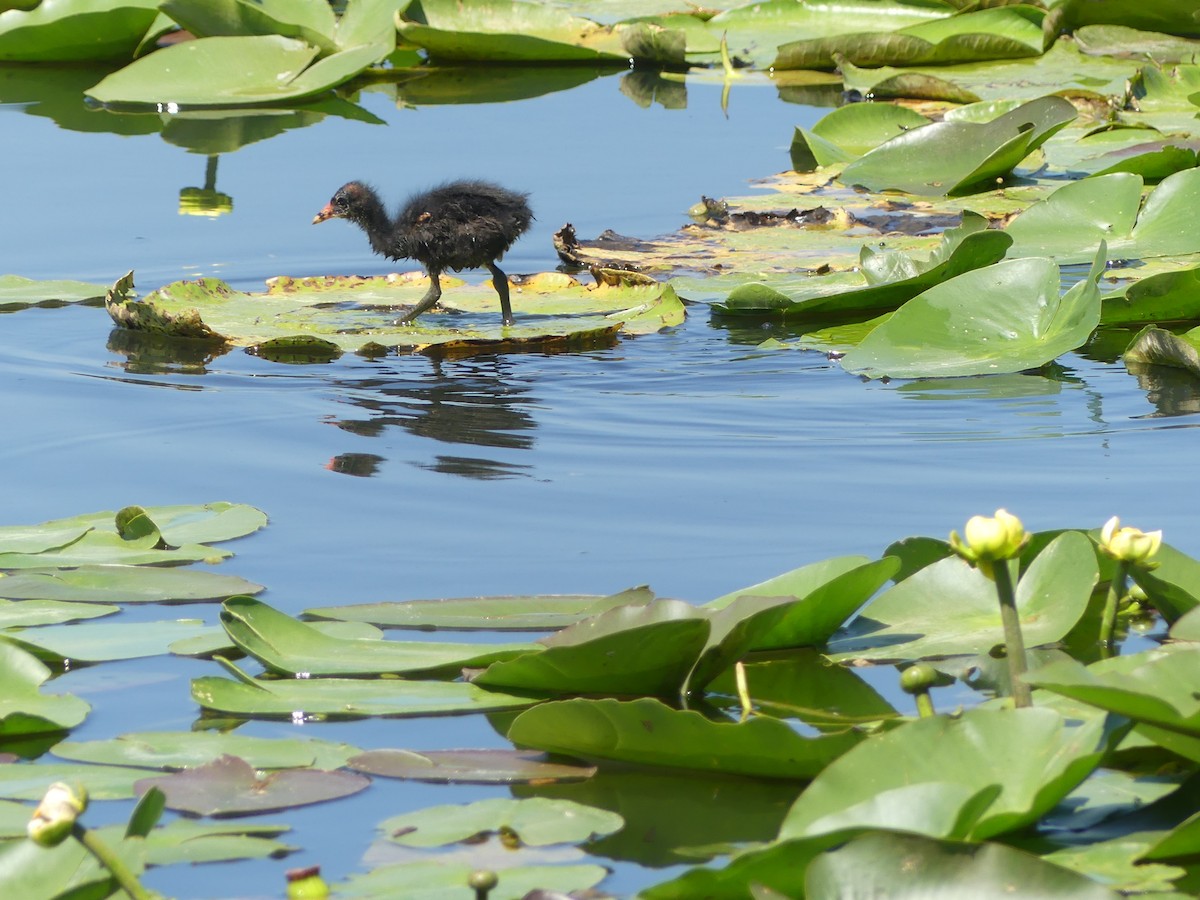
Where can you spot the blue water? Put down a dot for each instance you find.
(689, 460)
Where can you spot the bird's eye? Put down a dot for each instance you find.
(340, 202)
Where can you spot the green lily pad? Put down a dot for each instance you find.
(1003, 32)
(949, 607)
(468, 766)
(26, 613)
(849, 131)
(23, 781)
(187, 841)
(249, 70)
(909, 866)
(628, 650)
(93, 642)
(649, 733)
(17, 292)
(313, 23)
(950, 158)
(187, 749)
(75, 30)
(345, 698)
(1158, 347)
(1166, 297)
(229, 786)
(288, 646)
(1004, 318)
(506, 31)
(1069, 224)
(351, 313)
(24, 709)
(1043, 755)
(68, 870)
(1167, 16)
(537, 822)
(1156, 687)
(123, 584)
(540, 612)
(889, 279)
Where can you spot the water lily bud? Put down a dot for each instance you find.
(1128, 544)
(55, 816)
(306, 884)
(918, 678)
(481, 881)
(990, 539)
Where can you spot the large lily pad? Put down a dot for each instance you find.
(1005, 318)
(123, 584)
(353, 313)
(187, 749)
(650, 733)
(229, 786)
(313, 23)
(24, 709)
(437, 880)
(17, 292)
(26, 613)
(1004, 32)
(249, 70)
(345, 698)
(913, 867)
(92, 642)
(188, 841)
(1069, 224)
(1042, 754)
(959, 157)
(950, 607)
(533, 613)
(284, 645)
(75, 30)
(849, 131)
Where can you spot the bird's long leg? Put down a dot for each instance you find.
(500, 283)
(427, 302)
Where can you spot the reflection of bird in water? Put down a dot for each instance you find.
(460, 225)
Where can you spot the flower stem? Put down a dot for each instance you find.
(1108, 620)
(925, 705)
(1014, 643)
(107, 858)
(743, 690)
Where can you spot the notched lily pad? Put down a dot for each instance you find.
(229, 786)
(533, 822)
(352, 313)
(24, 709)
(468, 766)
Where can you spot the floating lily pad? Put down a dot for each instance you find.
(1043, 755)
(534, 821)
(1005, 318)
(436, 880)
(849, 131)
(649, 733)
(93, 642)
(285, 645)
(1166, 297)
(950, 608)
(959, 157)
(346, 698)
(229, 786)
(123, 584)
(23, 781)
(1159, 347)
(75, 30)
(352, 313)
(1003, 32)
(232, 71)
(912, 867)
(188, 841)
(468, 766)
(628, 650)
(24, 709)
(1069, 224)
(313, 23)
(17, 292)
(25, 613)
(187, 749)
(533, 613)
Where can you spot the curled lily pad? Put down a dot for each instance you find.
(1159, 347)
(75, 30)
(285, 645)
(952, 158)
(229, 786)
(849, 131)
(24, 709)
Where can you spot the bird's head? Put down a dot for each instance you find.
(348, 203)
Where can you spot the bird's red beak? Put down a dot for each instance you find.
(326, 213)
